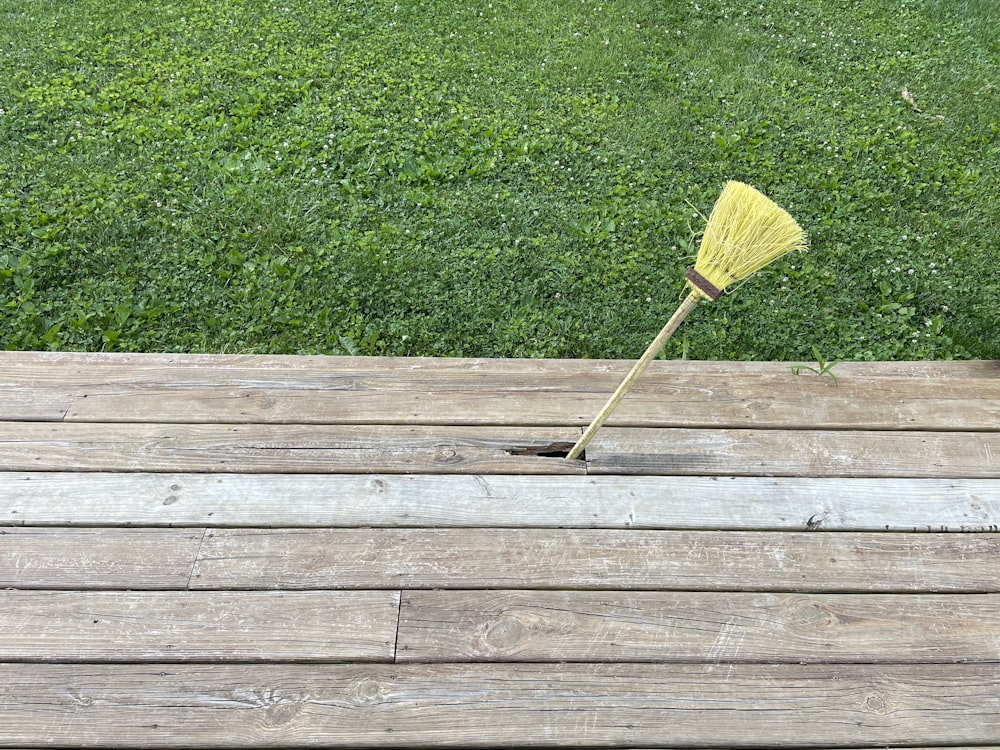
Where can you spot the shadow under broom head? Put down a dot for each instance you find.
(745, 231)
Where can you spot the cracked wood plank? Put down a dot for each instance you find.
(38, 446)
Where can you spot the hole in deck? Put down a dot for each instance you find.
(552, 450)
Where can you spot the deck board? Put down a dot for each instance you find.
(893, 404)
(38, 446)
(98, 558)
(508, 500)
(598, 559)
(281, 551)
(312, 371)
(220, 626)
(617, 626)
(763, 401)
(469, 705)
(30, 446)
(815, 453)
(586, 559)
(221, 389)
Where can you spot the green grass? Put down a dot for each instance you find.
(506, 178)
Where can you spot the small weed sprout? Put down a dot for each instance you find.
(822, 367)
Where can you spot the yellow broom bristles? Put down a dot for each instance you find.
(746, 230)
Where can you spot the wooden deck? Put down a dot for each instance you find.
(236, 551)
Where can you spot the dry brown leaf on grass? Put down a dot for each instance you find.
(912, 101)
(908, 98)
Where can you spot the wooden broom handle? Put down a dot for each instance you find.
(648, 356)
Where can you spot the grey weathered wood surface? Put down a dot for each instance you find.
(219, 551)
(478, 705)
(102, 446)
(315, 390)
(817, 453)
(516, 501)
(217, 626)
(496, 450)
(587, 559)
(638, 626)
(598, 559)
(98, 558)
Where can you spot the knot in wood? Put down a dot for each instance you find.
(876, 705)
(367, 692)
(504, 636)
(447, 454)
(279, 714)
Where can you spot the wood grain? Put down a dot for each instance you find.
(221, 551)
(134, 367)
(598, 560)
(728, 705)
(168, 559)
(345, 390)
(614, 626)
(779, 401)
(220, 626)
(98, 558)
(29, 403)
(304, 500)
(816, 453)
(30, 446)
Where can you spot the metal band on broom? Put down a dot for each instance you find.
(745, 231)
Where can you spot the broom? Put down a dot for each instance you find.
(745, 231)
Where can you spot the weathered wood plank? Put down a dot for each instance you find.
(220, 626)
(131, 367)
(817, 453)
(31, 446)
(501, 399)
(97, 558)
(123, 558)
(598, 559)
(192, 389)
(559, 626)
(789, 503)
(728, 705)
(33, 404)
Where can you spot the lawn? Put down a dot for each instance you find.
(506, 178)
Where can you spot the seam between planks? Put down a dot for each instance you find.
(399, 617)
(197, 559)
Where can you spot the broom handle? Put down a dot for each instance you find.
(648, 356)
